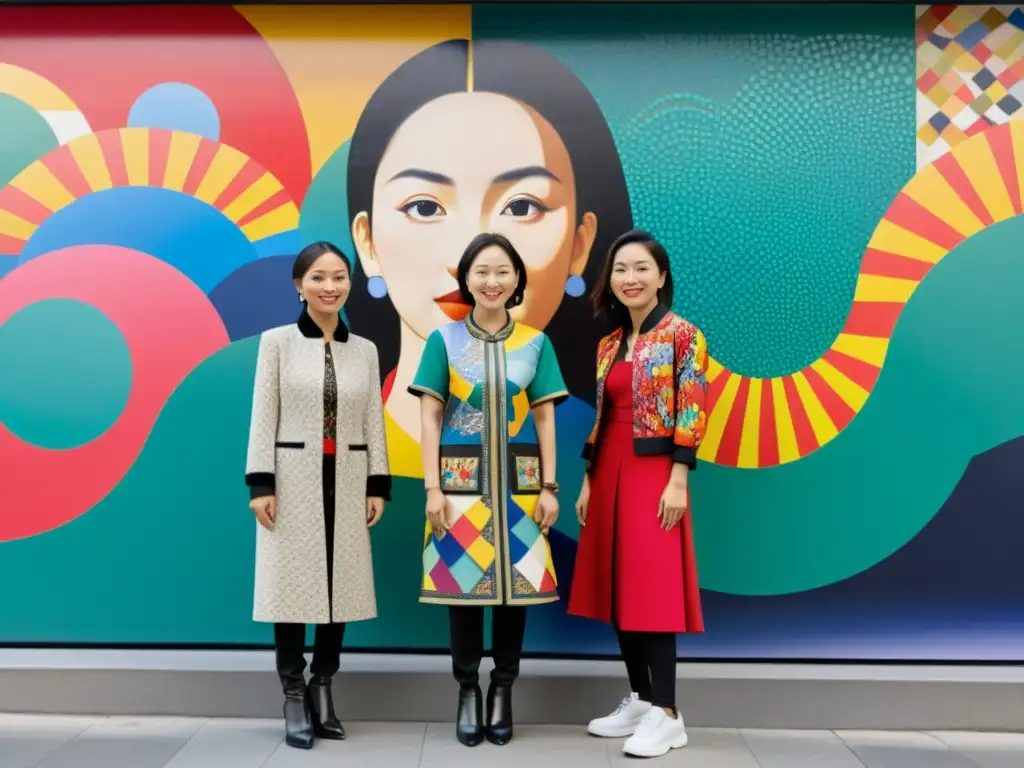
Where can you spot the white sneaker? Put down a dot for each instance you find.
(623, 721)
(656, 735)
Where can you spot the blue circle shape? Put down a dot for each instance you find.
(377, 287)
(575, 286)
(193, 237)
(176, 107)
(67, 373)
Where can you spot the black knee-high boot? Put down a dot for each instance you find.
(326, 658)
(466, 626)
(508, 630)
(289, 644)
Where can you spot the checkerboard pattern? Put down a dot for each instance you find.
(970, 73)
(458, 562)
(528, 549)
(461, 562)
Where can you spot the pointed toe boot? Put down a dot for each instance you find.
(499, 714)
(321, 704)
(469, 720)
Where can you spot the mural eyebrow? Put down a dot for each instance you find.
(418, 173)
(518, 174)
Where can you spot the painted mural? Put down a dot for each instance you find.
(840, 190)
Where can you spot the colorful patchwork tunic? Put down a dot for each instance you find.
(494, 553)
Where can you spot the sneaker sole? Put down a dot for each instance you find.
(612, 733)
(677, 744)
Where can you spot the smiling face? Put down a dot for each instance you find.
(463, 164)
(326, 284)
(635, 278)
(492, 279)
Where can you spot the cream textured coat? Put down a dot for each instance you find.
(285, 457)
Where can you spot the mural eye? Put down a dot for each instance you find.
(423, 209)
(523, 208)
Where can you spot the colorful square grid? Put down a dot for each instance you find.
(970, 73)
(457, 561)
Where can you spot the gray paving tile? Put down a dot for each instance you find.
(708, 748)
(533, 745)
(114, 742)
(799, 749)
(368, 745)
(902, 749)
(27, 739)
(987, 750)
(230, 743)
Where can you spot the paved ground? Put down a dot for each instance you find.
(29, 741)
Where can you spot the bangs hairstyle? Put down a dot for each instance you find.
(478, 244)
(308, 255)
(606, 306)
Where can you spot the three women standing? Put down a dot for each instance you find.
(635, 566)
(488, 387)
(317, 471)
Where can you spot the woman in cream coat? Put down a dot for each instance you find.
(317, 471)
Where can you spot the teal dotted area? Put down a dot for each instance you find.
(767, 201)
(24, 137)
(70, 373)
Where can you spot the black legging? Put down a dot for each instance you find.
(466, 627)
(651, 665)
(290, 639)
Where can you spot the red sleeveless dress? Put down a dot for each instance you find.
(629, 571)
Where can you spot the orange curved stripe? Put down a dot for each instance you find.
(978, 182)
(214, 173)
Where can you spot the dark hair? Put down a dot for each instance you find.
(308, 255)
(478, 244)
(605, 304)
(536, 78)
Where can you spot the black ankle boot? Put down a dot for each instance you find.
(321, 705)
(499, 714)
(469, 720)
(298, 722)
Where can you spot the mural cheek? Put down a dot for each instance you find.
(413, 261)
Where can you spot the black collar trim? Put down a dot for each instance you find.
(654, 317)
(311, 330)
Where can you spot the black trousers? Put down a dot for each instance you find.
(466, 628)
(290, 639)
(651, 665)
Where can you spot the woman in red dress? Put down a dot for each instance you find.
(635, 566)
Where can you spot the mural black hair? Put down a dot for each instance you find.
(533, 77)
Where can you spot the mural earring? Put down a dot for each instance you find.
(377, 287)
(302, 298)
(575, 286)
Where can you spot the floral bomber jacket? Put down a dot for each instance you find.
(670, 363)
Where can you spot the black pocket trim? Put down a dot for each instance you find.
(358, 447)
(286, 444)
(467, 459)
(525, 456)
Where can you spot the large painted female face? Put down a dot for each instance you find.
(463, 164)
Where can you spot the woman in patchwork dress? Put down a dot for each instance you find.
(488, 387)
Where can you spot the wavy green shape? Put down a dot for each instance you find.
(950, 390)
(168, 555)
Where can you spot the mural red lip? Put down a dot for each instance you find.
(453, 305)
